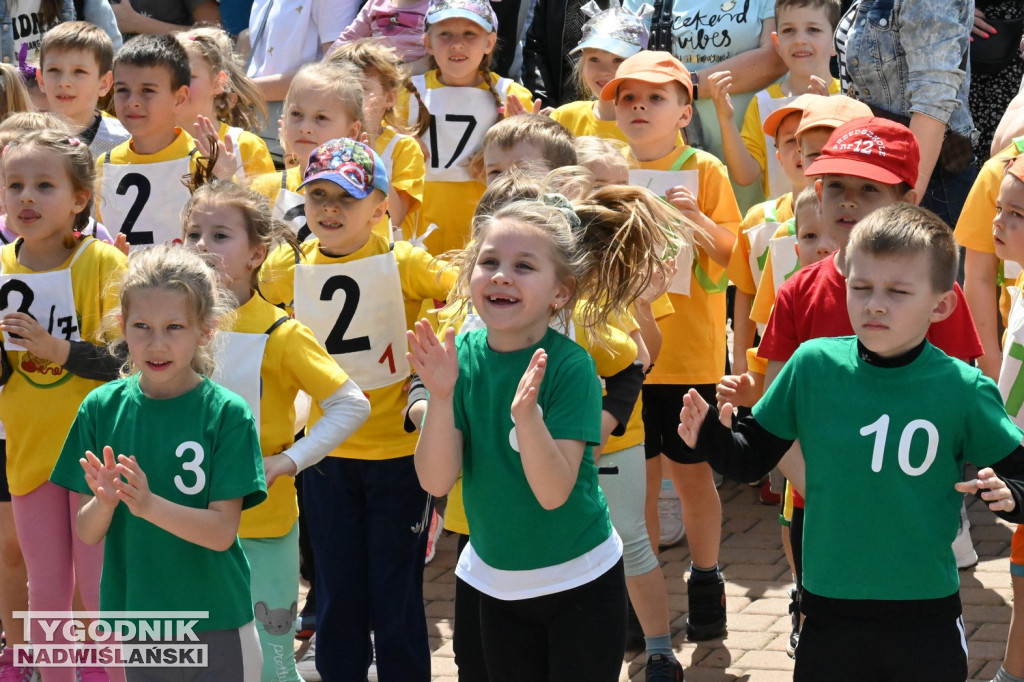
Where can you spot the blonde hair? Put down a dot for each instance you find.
(173, 268)
(14, 95)
(241, 104)
(341, 80)
(21, 122)
(598, 150)
(78, 162)
(613, 252)
(260, 225)
(377, 56)
(551, 138)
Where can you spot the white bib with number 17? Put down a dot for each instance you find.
(144, 200)
(357, 312)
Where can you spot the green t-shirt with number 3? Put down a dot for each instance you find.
(884, 448)
(194, 449)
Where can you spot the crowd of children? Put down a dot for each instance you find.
(439, 291)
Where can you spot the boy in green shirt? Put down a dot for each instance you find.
(884, 455)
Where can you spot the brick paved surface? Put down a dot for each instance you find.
(757, 579)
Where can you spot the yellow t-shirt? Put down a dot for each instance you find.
(382, 436)
(760, 145)
(40, 400)
(764, 299)
(252, 151)
(739, 260)
(579, 119)
(269, 184)
(450, 205)
(974, 228)
(693, 351)
(293, 360)
(403, 158)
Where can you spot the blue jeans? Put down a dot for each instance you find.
(947, 192)
(368, 521)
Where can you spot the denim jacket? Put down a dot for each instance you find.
(98, 12)
(907, 56)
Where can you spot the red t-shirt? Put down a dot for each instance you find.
(812, 304)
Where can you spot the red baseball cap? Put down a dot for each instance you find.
(873, 148)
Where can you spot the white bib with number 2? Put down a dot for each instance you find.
(144, 200)
(357, 312)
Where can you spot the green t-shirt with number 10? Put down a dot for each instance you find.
(884, 448)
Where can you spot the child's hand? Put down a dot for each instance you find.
(514, 107)
(436, 364)
(695, 409)
(719, 86)
(100, 476)
(32, 336)
(992, 488)
(227, 158)
(738, 390)
(133, 486)
(683, 199)
(818, 86)
(278, 465)
(121, 243)
(525, 402)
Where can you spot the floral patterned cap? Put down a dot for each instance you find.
(351, 165)
(477, 11)
(615, 29)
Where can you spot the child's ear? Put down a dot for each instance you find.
(106, 82)
(378, 213)
(82, 197)
(220, 82)
(353, 132)
(910, 196)
(775, 42)
(181, 96)
(817, 191)
(563, 292)
(945, 306)
(39, 79)
(685, 116)
(492, 40)
(427, 43)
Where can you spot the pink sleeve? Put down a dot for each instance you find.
(360, 26)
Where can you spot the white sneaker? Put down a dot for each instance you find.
(670, 516)
(306, 665)
(963, 547)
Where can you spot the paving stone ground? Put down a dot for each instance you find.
(757, 580)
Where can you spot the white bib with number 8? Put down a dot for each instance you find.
(356, 310)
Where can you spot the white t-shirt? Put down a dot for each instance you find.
(293, 31)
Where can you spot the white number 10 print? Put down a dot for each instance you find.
(881, 430)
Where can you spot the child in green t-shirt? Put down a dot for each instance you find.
(886, 421)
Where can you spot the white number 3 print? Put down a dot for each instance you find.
(880, 428)
(194, 465)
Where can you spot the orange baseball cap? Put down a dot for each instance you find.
(649, 66)
(1016, 167)
(797, 106)
(832, 112)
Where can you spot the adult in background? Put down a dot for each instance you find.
(163, 16)
(996, 66)
(908, 61)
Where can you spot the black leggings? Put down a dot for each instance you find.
(578, 634)
(469, 650)
(796, 541)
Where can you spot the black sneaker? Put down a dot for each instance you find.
(794, 614)
(662, 668)
(706, 619)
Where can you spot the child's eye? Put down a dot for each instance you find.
(14, 185)
(487, 262)
(141, 325)
(191, 236)
(45, 185)
(524, 266)
(174, 326)
(322, 117)
(809, 235)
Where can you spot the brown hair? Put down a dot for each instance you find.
(78, 162)
(241, 104)
(905, 230)
(260, 225)
(376, 58)
(832, 8)
(551, 138)
(79, 35)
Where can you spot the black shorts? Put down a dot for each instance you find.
(5, 489)
(662, 404)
